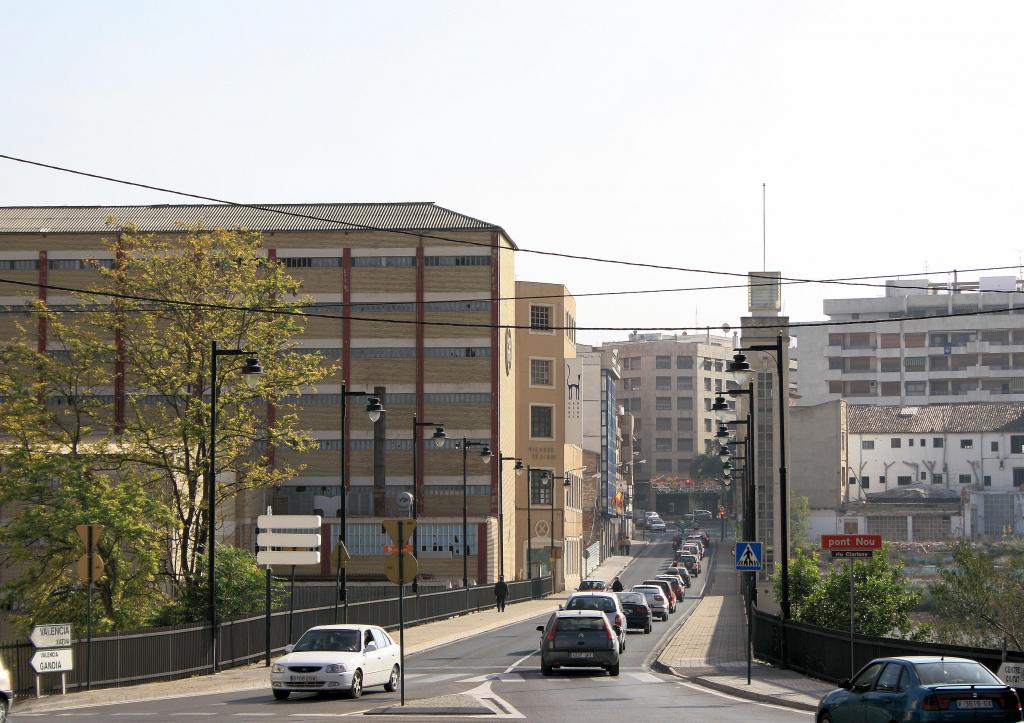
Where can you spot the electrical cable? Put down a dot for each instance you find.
(417, 234)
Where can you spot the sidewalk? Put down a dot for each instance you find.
(417, 638)
(710, 647)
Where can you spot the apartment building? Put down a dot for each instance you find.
(924, 343)
(548, 500)
(669, 383)
(361, 255)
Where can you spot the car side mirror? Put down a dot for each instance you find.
(288, 648)
(844, 683)
(540, 628)
(371, 646)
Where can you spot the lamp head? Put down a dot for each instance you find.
(720, 404)
(485, 455)
(374, 408)
(724, 454)
(519, 466)
(439, 436)
(251, 372)
(740, 369)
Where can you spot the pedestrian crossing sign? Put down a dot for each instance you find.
(748, 557)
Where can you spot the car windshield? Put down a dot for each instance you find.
(344, 641)
(572, 625)
(968, 673)
(592, 585)
(604, 604)
(631, 597)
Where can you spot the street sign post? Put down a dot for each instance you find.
(749, 559)
(89, 568)
(851, 547)
(401, 568)
(54, 654)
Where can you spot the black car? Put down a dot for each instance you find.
(579, 639)
(638, 612)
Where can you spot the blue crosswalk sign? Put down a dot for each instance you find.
(748, 557)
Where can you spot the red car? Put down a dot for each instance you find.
(678, 589)
(592, 586)
(667, 589)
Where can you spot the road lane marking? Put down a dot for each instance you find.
(702, 689)
(646, 677)
(522, 660)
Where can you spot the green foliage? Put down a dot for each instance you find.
(241, 589)
(979, 599)
(800, 526)
(882, 600)
(706, 466)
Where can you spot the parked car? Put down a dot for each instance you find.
(579, 638)
(703, 515)
(690, 562)
(638, 612)
(343, 658)
(655, 599)
(678, 588)
(921, 688)
(6, 693)
(593, 585)
(702, 536)
(676, 568)
(691, 548)
(666, 591)
(656, 525)
(606, 602)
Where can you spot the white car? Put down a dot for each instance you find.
(656, 525)
(344, 658)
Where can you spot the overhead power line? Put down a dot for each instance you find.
(421, 235)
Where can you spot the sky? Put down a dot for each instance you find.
(889, 135)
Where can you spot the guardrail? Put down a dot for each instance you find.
(825, 654)
(152, 654)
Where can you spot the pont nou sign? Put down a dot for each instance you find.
(851, 543)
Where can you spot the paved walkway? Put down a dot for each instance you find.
(710, 647)
(417, 639)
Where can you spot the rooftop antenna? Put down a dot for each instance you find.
(764, 232)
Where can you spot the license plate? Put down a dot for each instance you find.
(302, 678)
(581, 655)
(973, 704)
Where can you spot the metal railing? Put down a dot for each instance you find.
(152, 654)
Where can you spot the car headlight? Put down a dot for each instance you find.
(335, 668)
(277, 668)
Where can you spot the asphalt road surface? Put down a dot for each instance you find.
(501, 667)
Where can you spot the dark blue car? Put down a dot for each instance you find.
(919, 688)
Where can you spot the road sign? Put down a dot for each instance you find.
(339, 555)
(748, 557)
(288, 539)
(1012, 674)
(87, 563)
(83, 533)
(392, 529)
(288, 557)
(851, 542)
(851, 554)
(288, 522)
(409, 568)
(394, 548)
(54, 660)
(51, 636)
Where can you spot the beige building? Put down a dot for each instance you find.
(548, 514)
(417, 262)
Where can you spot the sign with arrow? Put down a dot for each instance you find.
(54, 660)
(51, 636)
(748, 557)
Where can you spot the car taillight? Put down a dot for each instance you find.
(551, 633)
(1009, 700)
(608, 629)
(659, 598)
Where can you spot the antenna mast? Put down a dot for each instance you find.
(764, 232)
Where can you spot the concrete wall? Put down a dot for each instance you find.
(818, 467)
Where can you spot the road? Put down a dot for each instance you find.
(501, 666)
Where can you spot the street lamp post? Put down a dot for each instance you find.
(485, 457)
(439, 437)
(501, 507)
(567, 482)
(250, 372)
(373, 409)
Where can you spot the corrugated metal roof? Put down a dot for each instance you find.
(412, 216)
(894, 419)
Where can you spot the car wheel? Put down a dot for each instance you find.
(613, 669)
(647, 630)
(356, 691)
(825, 718)
(279, 694)
(392, 685)
(546, 669)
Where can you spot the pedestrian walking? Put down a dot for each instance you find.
(627, 546)
(501, 592)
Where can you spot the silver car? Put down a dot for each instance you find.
(656, 599)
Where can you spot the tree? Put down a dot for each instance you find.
(706, 466)
(241, 588)
(979, 602)
(800, 525)
(804, 580)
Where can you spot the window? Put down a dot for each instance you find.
(1018, 476)
(662, 465)
(631, 363)
(662, 362)
(541, 372)
(936, 479)
(683, 466)
(994, 446)
(938, 442)
(889, 341)
(915, 363)
(540, 317)
(851, 481)
(542, 423)
(924, 442)
(662, 445)
(988, 480)
(631, 405)
(684, 444)
(904, 479)
(684, 424)
(890, 680)
(457, 260)
(707, 384)
(308, 262)
(924, 476)
(881, 480)
(378, 261)
(889, 364)
(540, 487)
(914, 340)
(707, 425)
(19, 264)
(663, 383)
(867, 444)
(865, 482)
(910, 442)
(965, 479)
(631, 384)
(467, 352)
(684, 362)
(895, 443)
(663, 424)
(916, 388)
(684, 402)
(707, 404)
(684, 384)
(966, 444)
(663, 404)
(1017, 444)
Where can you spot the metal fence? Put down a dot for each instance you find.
(141, 656)
(825, 654)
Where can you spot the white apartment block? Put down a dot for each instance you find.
(975, 356)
